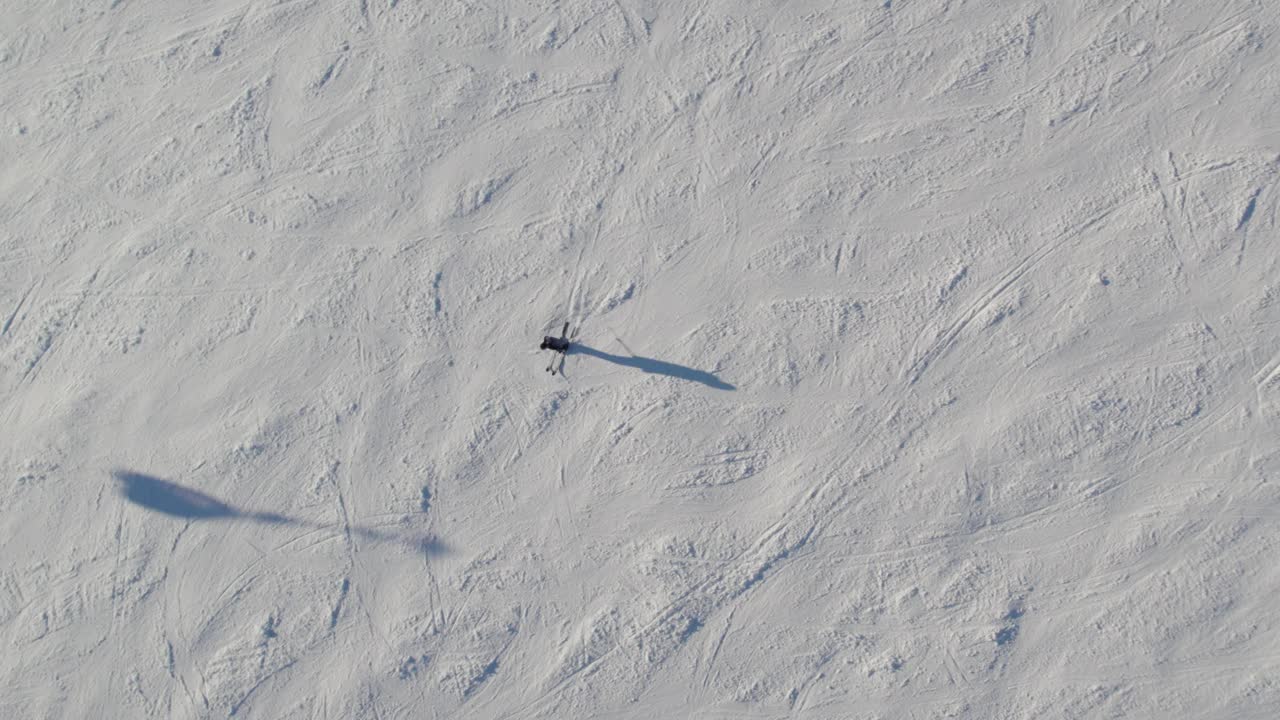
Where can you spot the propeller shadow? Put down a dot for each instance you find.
(169, 498)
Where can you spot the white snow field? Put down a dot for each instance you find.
(929, 359)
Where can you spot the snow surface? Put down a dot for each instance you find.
(930, 359)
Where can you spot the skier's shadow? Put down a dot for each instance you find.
(174, 500)
(657, 367)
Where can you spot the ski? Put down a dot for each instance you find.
(559, 346)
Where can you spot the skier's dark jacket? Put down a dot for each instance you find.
(557, 344)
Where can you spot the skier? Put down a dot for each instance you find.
(556, 344)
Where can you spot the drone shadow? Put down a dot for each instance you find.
(656, 367)
(174, 500)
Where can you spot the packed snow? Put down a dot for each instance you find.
(927, 359)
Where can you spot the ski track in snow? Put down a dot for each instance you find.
(929, 360)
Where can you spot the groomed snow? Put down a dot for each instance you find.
(929, 365)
